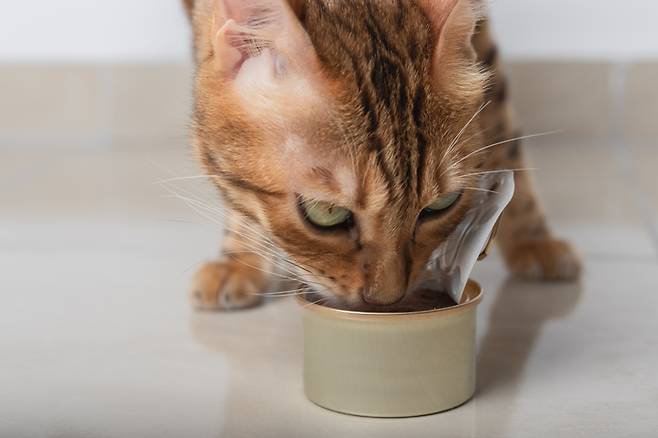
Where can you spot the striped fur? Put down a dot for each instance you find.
(376, 115)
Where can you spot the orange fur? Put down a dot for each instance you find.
(316, 100)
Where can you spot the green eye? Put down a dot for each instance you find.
(325, 214)
(443, 203)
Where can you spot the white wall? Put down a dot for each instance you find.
(92, 30)
(111, 30)
(598, 29)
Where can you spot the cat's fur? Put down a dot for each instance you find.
(365, 104)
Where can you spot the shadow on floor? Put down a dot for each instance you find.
(516, 320)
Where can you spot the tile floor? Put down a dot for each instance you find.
(97, 340)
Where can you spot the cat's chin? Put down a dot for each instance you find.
(416, 301)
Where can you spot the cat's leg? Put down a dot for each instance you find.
(528, 246)
(239, 277)
(527, 243)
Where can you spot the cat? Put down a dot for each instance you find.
(346, 139)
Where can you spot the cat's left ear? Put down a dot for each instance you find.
(247, 29)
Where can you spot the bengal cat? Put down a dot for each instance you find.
(347, 139)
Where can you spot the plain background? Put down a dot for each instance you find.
(96, 252)
(156, 31)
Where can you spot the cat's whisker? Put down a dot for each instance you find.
(500, 143)
(275, 262)
(184, 178)
(489, 172)
(459, 135)
(289, 261)
(278, 257)
(179, 221)
(296, 278)
(261, 240)
(257, 247)
(292, 294)
(266, 244)
(267, 257)
(466, 140)
(285, 293)
(254, 249)
(321, 301)
(479, 189)
(266, 271)
(222, 214)
(230, 253)
(273, 255)
(199, 206)
(215, 209)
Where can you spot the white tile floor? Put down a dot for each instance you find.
(97, 340)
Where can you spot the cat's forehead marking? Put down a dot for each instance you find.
(319, 175)
(325, 177)
(387, 70)
(347, 181)
(337, 184)
(360, 188)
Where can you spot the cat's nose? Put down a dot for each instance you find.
(385, 275)
(382, 297)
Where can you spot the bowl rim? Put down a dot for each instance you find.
(473, 292)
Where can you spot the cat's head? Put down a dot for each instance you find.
(342, 128)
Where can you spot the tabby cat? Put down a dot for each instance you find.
(347, 139)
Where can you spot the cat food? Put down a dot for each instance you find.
(419, 301)
(427, 299)
(391, 364)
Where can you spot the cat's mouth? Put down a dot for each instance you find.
(414, 301)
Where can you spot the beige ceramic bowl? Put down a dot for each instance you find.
(391, 364)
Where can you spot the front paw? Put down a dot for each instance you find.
(545, 259)
(225, 285)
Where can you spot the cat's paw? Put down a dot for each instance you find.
(225, 285)
(546, 259)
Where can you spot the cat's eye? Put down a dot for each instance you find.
(441, 204)
(326, 215)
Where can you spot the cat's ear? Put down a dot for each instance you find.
(453, 25)
(246, 29)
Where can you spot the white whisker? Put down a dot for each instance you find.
(184, 178)
(285, 293)
(221, 213)
(456, 139)
(252, 239)
(255, 246)
(285, 277)
(482, 149)
(479, 189)
(489, 172)
(258, 243)
(318, 302)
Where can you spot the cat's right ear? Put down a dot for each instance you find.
(454, 63)
(244, 29)
(453, 24)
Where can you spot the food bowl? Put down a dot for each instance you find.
(391, 364)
